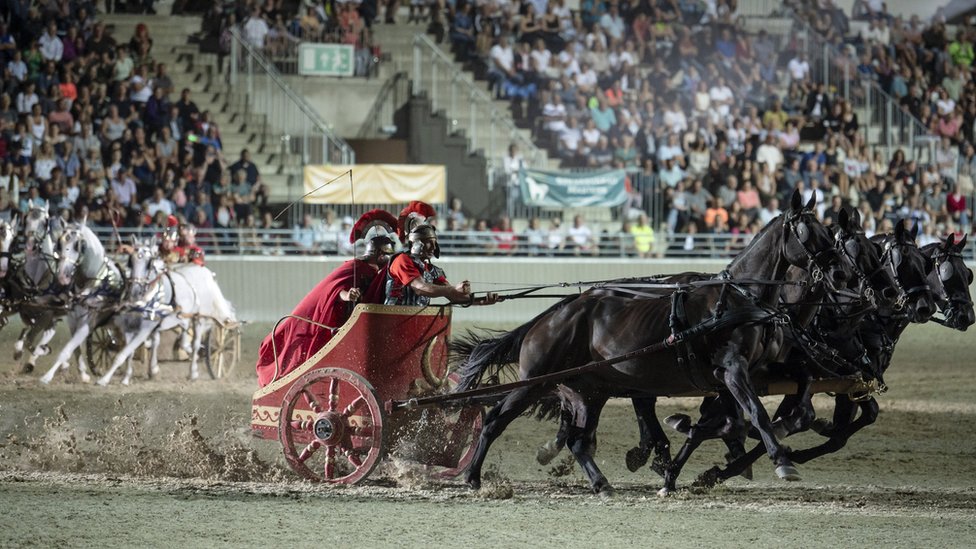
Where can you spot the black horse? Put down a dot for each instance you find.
(871, 280)
(735, 327)
(875, 337)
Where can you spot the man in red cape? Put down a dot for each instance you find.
(330, 302)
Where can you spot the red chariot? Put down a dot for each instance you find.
(335, 416)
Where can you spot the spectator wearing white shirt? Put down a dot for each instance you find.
(51, 46)
(256, 29)
(17, 67)
(541, 58)
(674, 117)
(770, 211)
(613, 24)
(721, 98)
(769, 154)
(798, 67)
(502, 64)
(580, 237)
(672, 150)
(159, 203)
(554, 114)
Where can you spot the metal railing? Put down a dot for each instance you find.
(319, 241)
(837, 69)
(468, 107)
(303, 135)
(393, 95)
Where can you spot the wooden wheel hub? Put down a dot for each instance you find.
(329, 428)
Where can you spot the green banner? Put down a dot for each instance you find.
(564, 189)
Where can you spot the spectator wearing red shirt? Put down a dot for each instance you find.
(504, 236)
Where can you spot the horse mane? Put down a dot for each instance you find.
(94, 253)
(745, 253)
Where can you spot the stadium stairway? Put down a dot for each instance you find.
(189, 68)
(397, 40)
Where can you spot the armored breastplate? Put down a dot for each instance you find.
(407, 295)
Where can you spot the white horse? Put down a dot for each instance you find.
(8, 233)
(159, 299)
(34, 287)
(95, 284)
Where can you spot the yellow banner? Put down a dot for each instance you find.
(376, 184)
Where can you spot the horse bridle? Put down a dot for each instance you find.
(867, 279)
(816, 262)
(892, 258)
(942, 262)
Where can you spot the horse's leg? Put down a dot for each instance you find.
(41, 348)
(19, 344)
(495, 423)
(734, 372)
(202, 329)
(154, 354)
(842, 433)
(80, 329)
(844, 412)
(582, 442)
(548, 451)
(652, 437)
(132, 343)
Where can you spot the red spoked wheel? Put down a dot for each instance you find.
(331, 426)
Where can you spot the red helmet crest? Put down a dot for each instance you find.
(372, 219)
(414, 214)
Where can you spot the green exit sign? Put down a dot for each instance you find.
(326, 60)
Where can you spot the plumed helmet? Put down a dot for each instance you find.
(374, 233)
(415, 214)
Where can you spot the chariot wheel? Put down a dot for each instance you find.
(101, 347)
(331, 426)
(222, 351)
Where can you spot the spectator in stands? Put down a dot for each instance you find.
(502, 68)
(256, 29)
(535, 238)
(580, 239)
(716, 217)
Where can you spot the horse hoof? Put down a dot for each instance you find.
(46, 380)
(103, 382)
(85, 378)
(788, 472)
(659, 466)
(43, 350)
(547, 452)
(125, 382)
(679, 422)
(664, 492)
(27, 369)
(780, 431)
(606, 492)
(636, 458)
(18, 353)
(473, 483)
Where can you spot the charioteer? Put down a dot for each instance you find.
(412, 279)
(327, 307)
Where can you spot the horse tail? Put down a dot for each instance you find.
(477, 356)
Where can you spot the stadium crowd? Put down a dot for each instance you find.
(726, 122)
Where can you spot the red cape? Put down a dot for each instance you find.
(297, 340)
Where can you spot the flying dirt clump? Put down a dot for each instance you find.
(124, 445)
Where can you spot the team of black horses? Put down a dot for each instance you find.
(802, 302)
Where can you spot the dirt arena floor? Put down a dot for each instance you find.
(169, 463)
